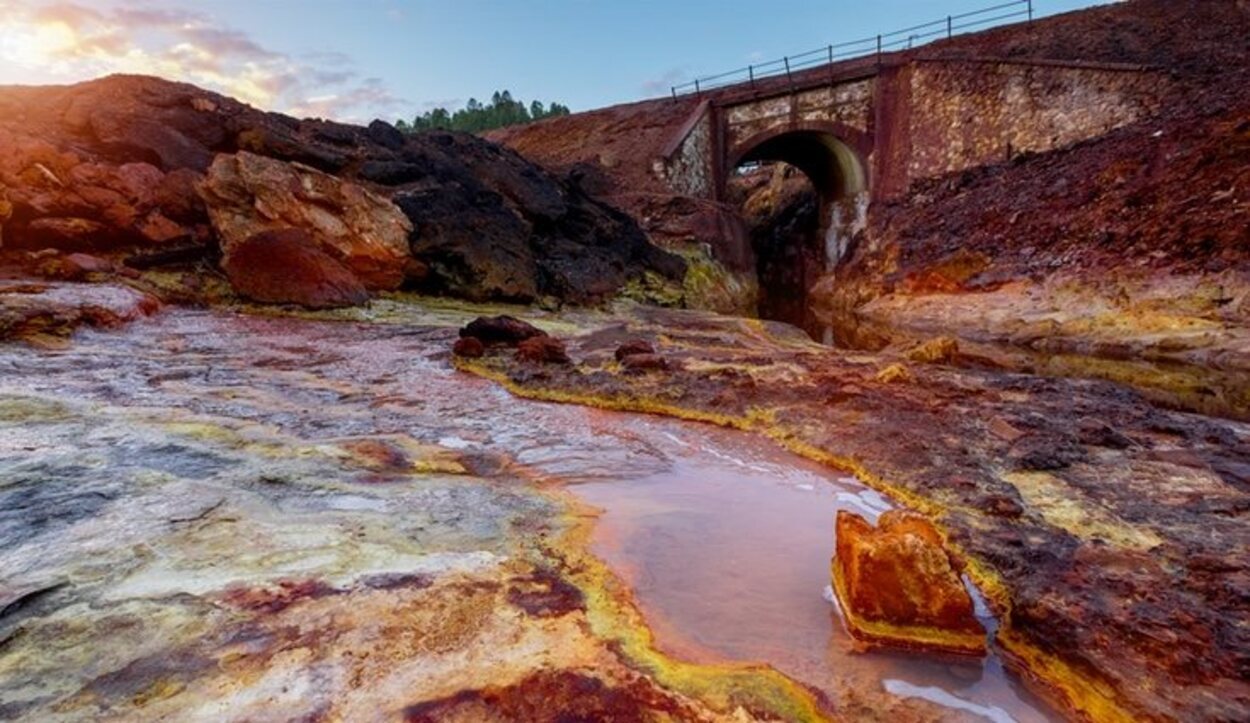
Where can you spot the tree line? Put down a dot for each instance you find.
(478, 117)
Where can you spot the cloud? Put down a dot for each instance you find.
(370, 93)
(663, 84)
(69, 41)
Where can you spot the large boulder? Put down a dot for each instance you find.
(247, 194)
(897, 587)
(287, 266)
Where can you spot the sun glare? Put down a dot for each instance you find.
(36, 45)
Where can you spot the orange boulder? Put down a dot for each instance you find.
(897, 587)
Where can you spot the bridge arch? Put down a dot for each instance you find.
(799, 241)
(829, 153)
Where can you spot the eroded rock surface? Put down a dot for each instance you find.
(247, 194)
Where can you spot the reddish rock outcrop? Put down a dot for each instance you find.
(469, 347)
(57, 198)
(287, 266)
(246, 194)
(896, 586)
(124, 152)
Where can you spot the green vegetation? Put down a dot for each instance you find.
(475, 117)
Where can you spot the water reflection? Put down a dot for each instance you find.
(728, 554)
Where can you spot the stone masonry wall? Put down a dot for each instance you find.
(966, 114)
(690, 171)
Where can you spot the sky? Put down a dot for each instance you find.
(355, 60)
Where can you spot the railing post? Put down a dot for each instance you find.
(697, 92)
(1030, 10)
(751, 75)
(674, 89)
(949, 27)
(789, 78)
(831, 79)
(878, 51)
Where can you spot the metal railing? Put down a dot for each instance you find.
(877, 45)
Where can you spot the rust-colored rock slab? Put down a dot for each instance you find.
(287, 266)
(897, 587)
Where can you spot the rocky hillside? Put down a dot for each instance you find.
(132, 165)
(1094, 259)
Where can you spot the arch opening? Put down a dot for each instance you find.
(803, 194)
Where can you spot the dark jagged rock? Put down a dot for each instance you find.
(506, 330)
(288, 267)
(510, 230)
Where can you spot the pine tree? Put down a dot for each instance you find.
(476, 117)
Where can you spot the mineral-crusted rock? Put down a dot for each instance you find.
(896, 585)
(288, 267)
(506, 330)
(543, 350)
(42, 312)
(894, 374)
(246, 194)
(940, 350)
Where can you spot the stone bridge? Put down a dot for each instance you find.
(865, 131)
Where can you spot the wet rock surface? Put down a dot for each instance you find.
(48, 313)
(1096, 548)
(181, 536)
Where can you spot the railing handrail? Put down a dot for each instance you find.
(852, 49)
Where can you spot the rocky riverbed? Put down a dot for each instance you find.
(1108, 533)
(210, 514)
